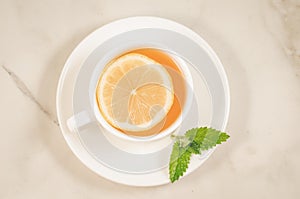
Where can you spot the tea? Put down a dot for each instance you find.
(179, 89)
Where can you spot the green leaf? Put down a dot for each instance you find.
(207, 138)
(194, 141)
(179, 161)
(222, 138)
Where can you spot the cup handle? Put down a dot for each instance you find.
(79, 120)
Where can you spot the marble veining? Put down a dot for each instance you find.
(25, 90)
(290, 14)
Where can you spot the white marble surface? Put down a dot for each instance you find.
(258, 42)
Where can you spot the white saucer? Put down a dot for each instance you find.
(86, 144)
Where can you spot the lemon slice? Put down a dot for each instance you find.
(134, 93)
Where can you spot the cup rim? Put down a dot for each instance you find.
(185, 108)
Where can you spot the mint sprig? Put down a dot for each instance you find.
(194, 141)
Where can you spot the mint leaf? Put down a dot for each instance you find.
(179, 161)
(222, 138)
(207, 138)
(194, 141)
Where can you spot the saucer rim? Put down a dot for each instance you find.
(124, 25)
